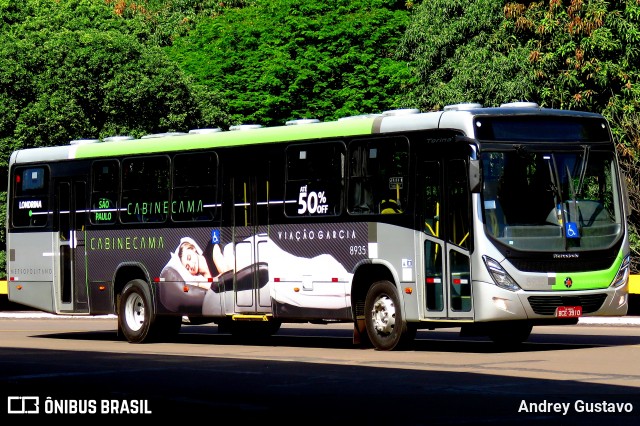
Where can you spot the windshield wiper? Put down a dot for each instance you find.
(574, 200)
(583, 167)
(555, 186)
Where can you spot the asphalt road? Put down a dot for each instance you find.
(306, 375)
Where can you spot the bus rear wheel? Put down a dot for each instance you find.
(137, 319)
(385, 324)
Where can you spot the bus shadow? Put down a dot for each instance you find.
(342, 339)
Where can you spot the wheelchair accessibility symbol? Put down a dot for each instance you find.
(215, 236)
(571, 230)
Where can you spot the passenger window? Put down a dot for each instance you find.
(195, 182)
(31, 201)
(145, 190)
(105, 182)
(378, 175)
(314, 179)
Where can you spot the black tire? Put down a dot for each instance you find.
(385, 324)
(510, 334)
(137, 319)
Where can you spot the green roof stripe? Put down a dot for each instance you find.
(352, 127)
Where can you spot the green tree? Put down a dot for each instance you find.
(461, 51)
(282, 59)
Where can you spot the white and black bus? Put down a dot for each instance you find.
(494, 220)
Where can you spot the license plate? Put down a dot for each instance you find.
(568, 311)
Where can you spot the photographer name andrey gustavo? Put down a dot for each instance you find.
(578, 406)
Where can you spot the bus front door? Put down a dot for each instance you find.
(72, 292)
(446, 246)
(251, 288)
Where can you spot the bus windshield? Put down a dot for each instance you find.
(551, 200)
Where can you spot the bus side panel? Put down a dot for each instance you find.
(147, 254)
(311, 267)
(30, 268)
(304, 270)
(100, 300)
(395, 250)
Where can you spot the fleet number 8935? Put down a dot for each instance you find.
(357, 250)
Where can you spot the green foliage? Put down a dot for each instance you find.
(281, 60)
(167, 19)
(575, 50)
(461, 52)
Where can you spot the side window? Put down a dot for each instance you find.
(31, 201)
(195, 180)
(145, 190)
(105, 182)
(378, 175)
(314, 179)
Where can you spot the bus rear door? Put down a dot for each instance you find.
(71, 204)
(250, 201)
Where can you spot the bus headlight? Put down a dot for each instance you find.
(622, 277)
(500, 277)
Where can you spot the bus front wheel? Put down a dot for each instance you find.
(384, 321)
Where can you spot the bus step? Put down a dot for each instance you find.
(250, 317)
